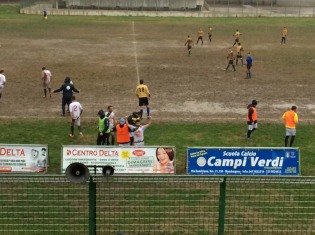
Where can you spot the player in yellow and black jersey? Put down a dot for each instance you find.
(189, 42)
(143, 94)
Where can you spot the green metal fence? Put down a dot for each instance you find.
(157, 205)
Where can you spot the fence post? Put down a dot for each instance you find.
(92, 207)
(222, 207)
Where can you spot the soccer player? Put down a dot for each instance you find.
(189, 42)
(237, 37)
(291, 119)
(239, 50)
(2, 82)
(112, 121)
(45, 14)
(67, 90)
(230, 57)
(200, 36)
(143, 94)
(251, 118)
(210, 33)
(249, 61)
(76, 111)
(46, 77)
(284, 35)
(138, 130)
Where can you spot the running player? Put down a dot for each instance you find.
(284, 35)
(2, 82)
(237, 37)
(46, 77)
(200, 36)
(143, 94)
(189, 42)
(210, 33)
(76, 111)
(239, 50)
(230, 57)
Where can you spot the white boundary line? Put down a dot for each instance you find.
(135, 51)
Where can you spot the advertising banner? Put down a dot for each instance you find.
(23, 158)
(243, 161)
(124, 160)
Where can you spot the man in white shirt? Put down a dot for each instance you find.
(112, 122)
(46, 77)
(76, 110)
(2, 82)
(139, 131)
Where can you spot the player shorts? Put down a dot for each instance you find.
(189, 47)
(76, 121)
(143, 101)
(290, 131)
(230, 61)
(249, 66)
(46, 85)
(200, 38)
(139, 144)
(1, 89)
(237, 40)
(253, 126)
(239, 56)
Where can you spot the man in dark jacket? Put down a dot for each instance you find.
(67, 88)
(132, 119)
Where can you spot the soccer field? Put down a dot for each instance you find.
(106, 56)
(103, 54)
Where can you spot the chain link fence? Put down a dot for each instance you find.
(130, 205)
(195, 8)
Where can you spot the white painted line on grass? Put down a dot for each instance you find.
(134, 42)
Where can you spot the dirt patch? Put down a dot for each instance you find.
(100, 58)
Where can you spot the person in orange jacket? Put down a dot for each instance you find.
(122, 133)
(291, 119)
(251, 118)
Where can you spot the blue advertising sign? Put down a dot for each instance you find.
(243, 161)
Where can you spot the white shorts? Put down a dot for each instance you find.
(1, 88)
(77, 121)
(251, 127)
(290, 132)
(139, 144)
(46, 84)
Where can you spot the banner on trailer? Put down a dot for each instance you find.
(124, 160)
(243, 161)
(23, 158)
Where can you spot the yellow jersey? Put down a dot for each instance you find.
(239, 50)
(284, 32)
(200, 33)
(230, 55)
(142, 91)
(237, 34)
(189, 41)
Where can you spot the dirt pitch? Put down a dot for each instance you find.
(102, 56)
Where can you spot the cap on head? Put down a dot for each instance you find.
(122, 120)
(254, 102)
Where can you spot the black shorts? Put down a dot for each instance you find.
(239, 56)
(237, 40)
(143, 101)
(200, 38)
(231, 62)
(249, 66)
(189, 47)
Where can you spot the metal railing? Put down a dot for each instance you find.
(129, 204)
(207, 8)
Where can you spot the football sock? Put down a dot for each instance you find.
(45, 92)
(248, 133)
(292, 140)
(286, 141)
(141, 112)
(72, 130)
(148, 111)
